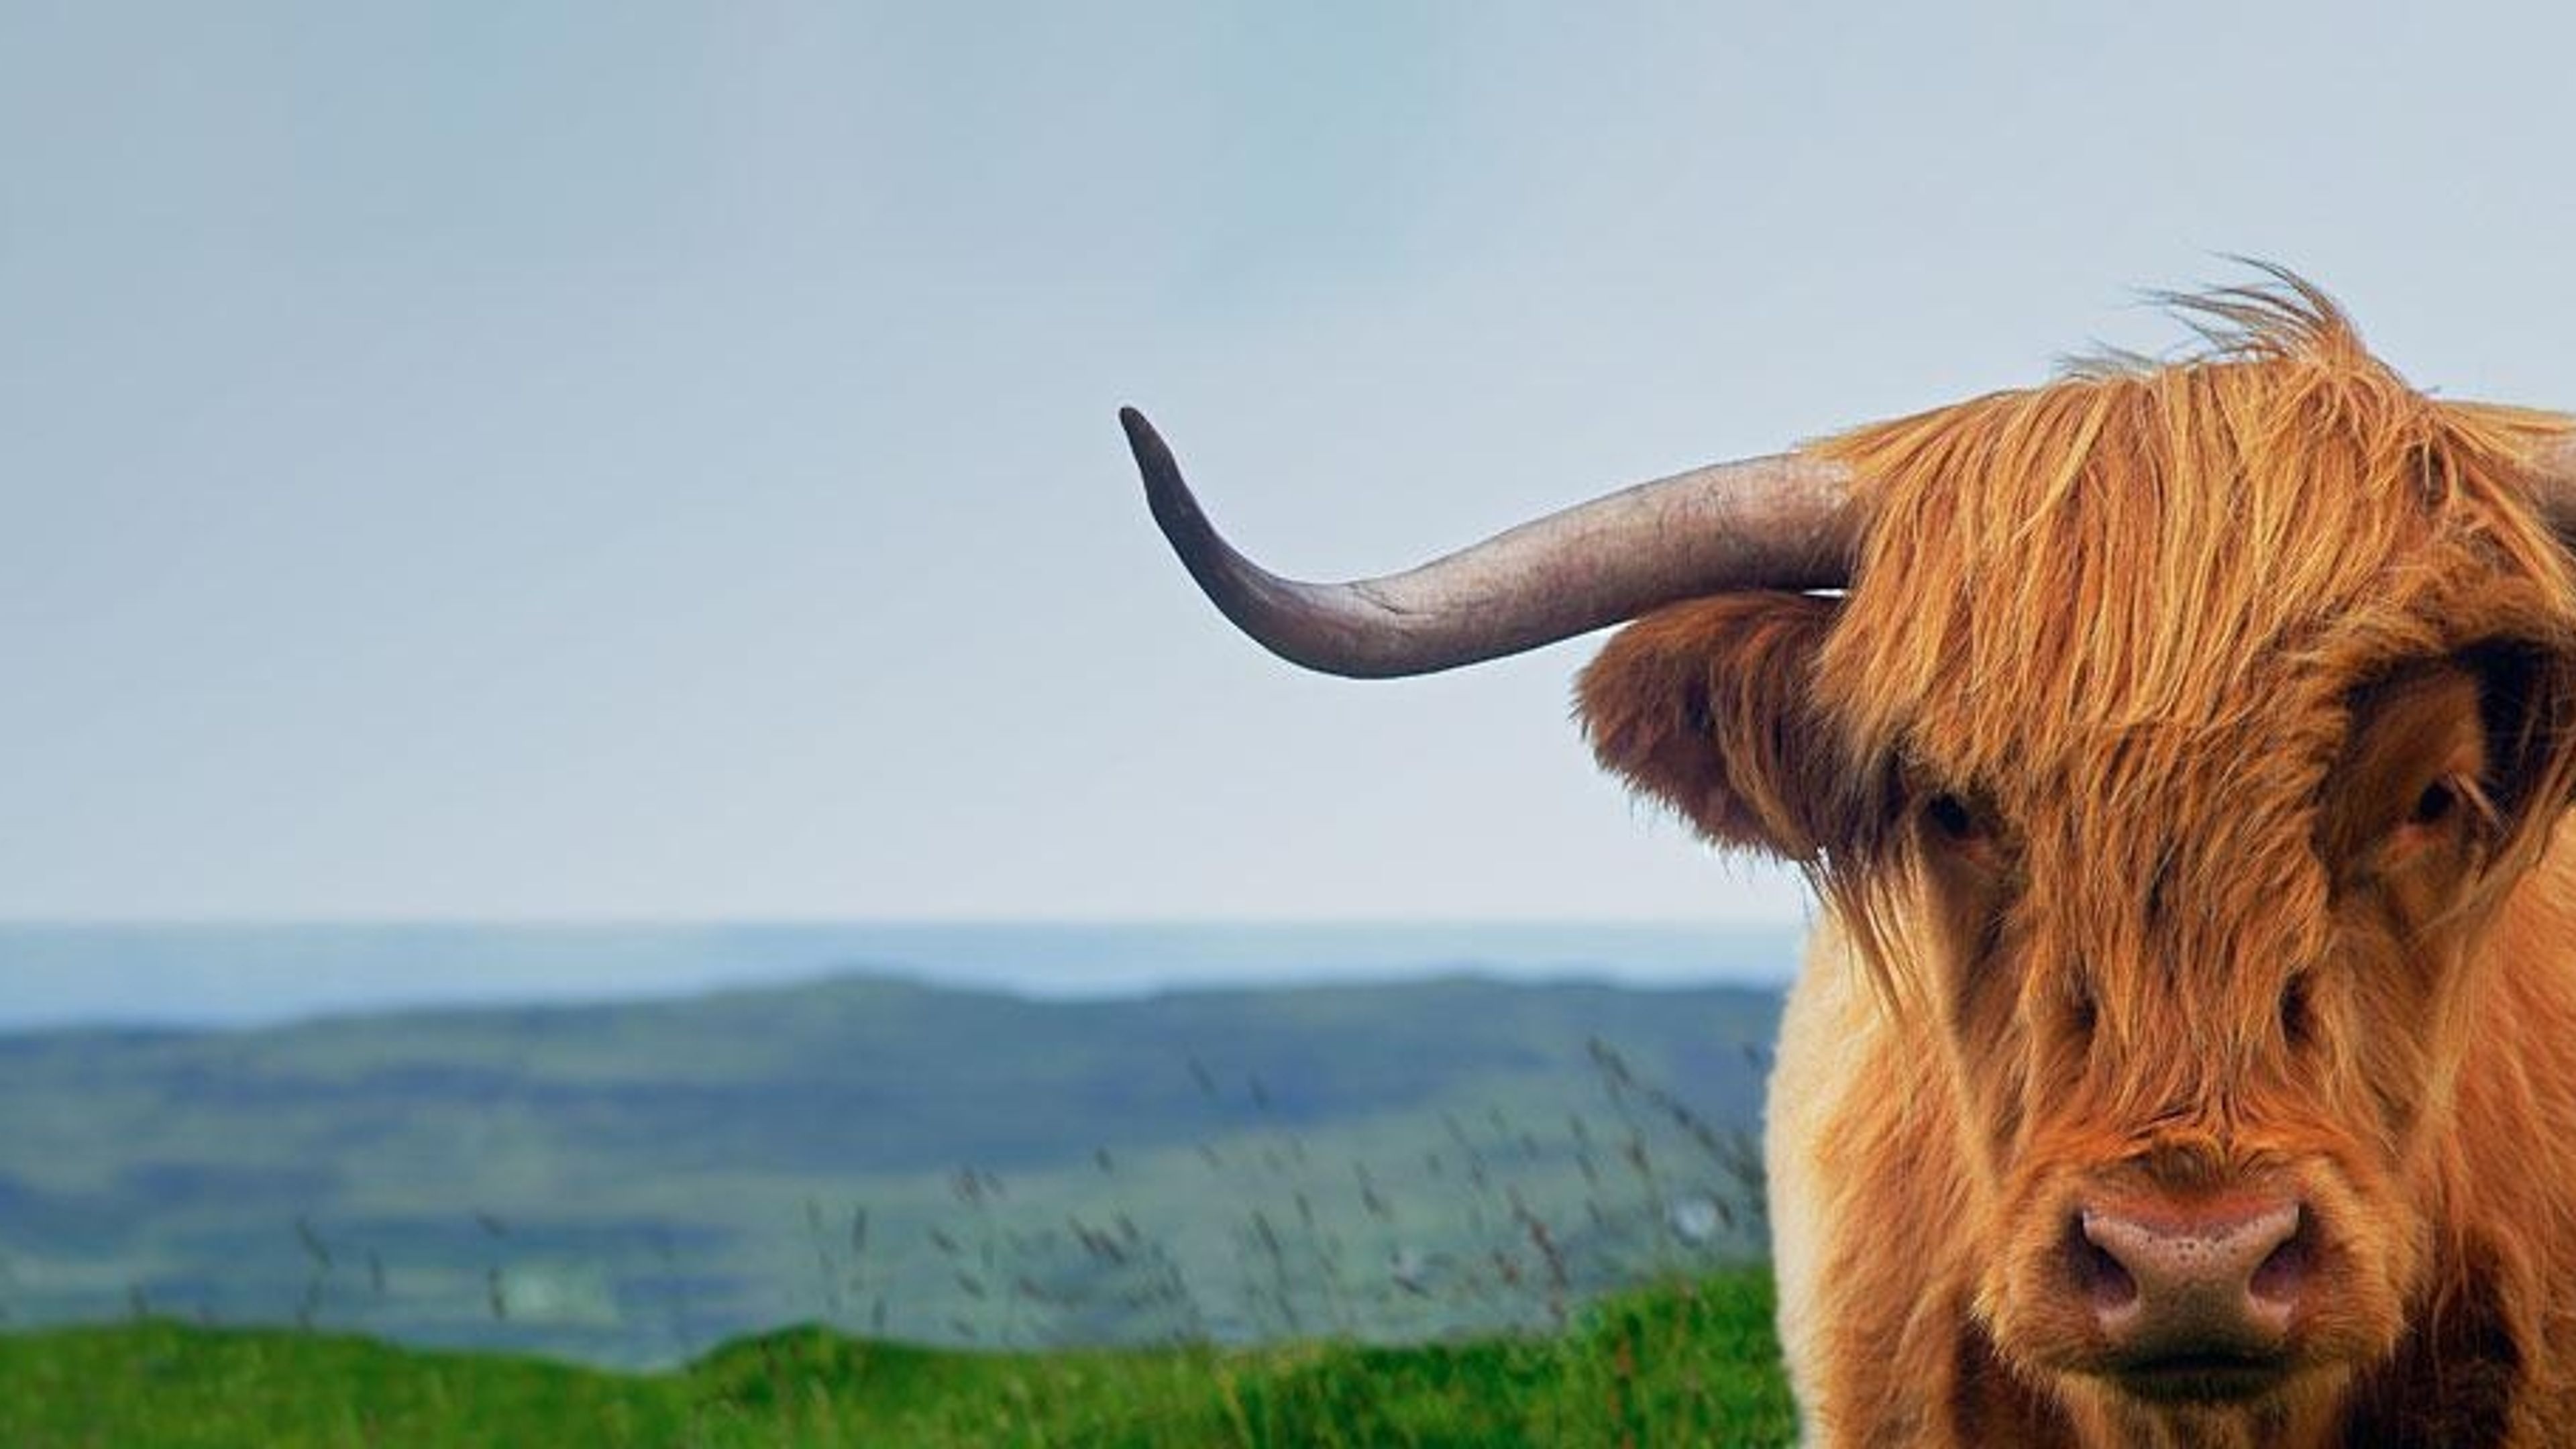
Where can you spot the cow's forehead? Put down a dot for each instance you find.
(2126, 574)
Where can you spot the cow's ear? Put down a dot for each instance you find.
(2472, 746)
(2526, 700)
(1707, 707)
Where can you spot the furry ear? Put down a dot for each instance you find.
(1706, 706)
(2527, 696)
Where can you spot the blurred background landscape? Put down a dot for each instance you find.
(1487, 1143)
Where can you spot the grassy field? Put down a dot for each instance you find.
(1685, 1364)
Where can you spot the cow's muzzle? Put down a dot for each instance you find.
(2193, 1299)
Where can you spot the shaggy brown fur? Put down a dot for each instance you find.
(2180, 773)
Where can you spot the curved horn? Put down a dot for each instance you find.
(1766, 523)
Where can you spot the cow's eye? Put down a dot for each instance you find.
(2436, 804)
(1952, 820)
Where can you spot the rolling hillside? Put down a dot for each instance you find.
(630, 1183)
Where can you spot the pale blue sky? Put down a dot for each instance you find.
(655, 461)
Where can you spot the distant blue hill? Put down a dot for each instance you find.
(629, 1181)
(250, 974)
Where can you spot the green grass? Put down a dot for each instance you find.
(1686, 1364)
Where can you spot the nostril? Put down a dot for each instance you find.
(2105, 1284)
(2283, 1275)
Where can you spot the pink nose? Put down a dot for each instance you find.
(2170, 1282)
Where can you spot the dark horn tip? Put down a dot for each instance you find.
(1165, 493)
(1141, 437)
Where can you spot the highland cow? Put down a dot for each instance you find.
(2187, 1051)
